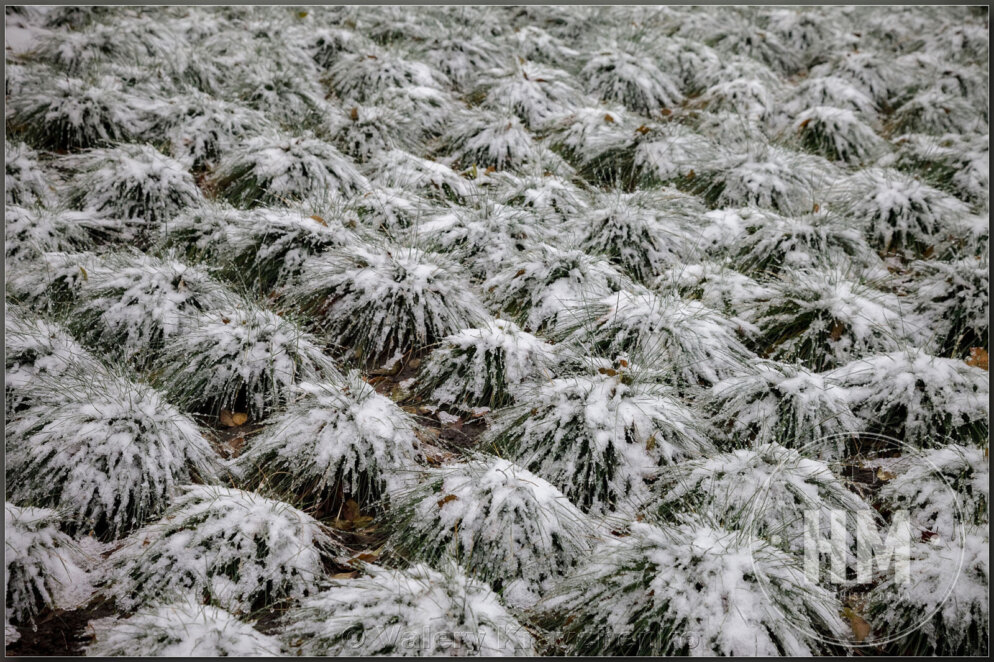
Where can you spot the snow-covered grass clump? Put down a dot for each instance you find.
(378, 301)
(667, 591)
(239, 357)
(42, 567)
(226, 547)
(336, 441)
(181, 628)
(414, 612)
(483, 366)
(105, 451)
(598, 438)
(504, 524)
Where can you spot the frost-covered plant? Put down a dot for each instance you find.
(642, 234)
(747, 97)
(834, 92)
(336, 441)
(131, 181)
(548, 282)
(766, 491)
(226, 547)
(837, 134)
(956, 296)
(960, 496)
(36, 349)
(774, 242)
(200, 128)
(462, 58)
(533, 92)
(414, 612)
(132, 303)
(898, 212)
(921, 399)
(51, 281)
(405, 171)
(878, 76)
(598, 438)
(547, 196)
(772, 177)
(700, 343)
(778, 402)
(371, 130)
(672, 152)
(949, 581)
(483, 366)
(105, 451)
(42, 566)
(498, 141)
(182, 628)
(718, 286)
(954, 163)
(278, 168)
(53, 112)
(822, 318)
(485, 239)
(691, 589)
(239, 357)
(506, 525)
(289, 92)
(362, 75)
(634, 81)
(937, 112)
(260, 247)
(388, 210)
(381, 300)
(26, 180)
(31, 232)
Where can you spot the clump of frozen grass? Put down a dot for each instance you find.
(961, 497)
(770, 402)
(37, 349)
(766, 491)
(58, 113)
(506, 525)
(498, 141)
(132, 303)
(402, 170)
(546, 196)
(131, 181)
(770, 177)
(718, 286)
(481, 367)
(774, 242)
(879, 77)
(291, 95)
(42, 566)
(937, 112)
(390, 211)
(690, 589)
(362, 75)
(750, 97)
(547, 282)
(535, 93)
(954, 163)
(822, 319)
(486, 239)
(897, 212)
(834, 92)
(921, 399)
(336, 441)
(202, 128)
(257, 247)
(414, 612)
(241, 358)
(26, 180)
(31, 232)
(463, 58)
(632, 80)
(372, 130)
(642, 234)
(672, 152)
(598, 438)
(949, 586)
(229, 548)
(105, 451)
(277, 169)
(837, 134)
(381, 300)
(49, 282)
(956, 297)
(700, 343)
(181, 628)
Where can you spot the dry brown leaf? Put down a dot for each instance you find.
(860, 626)
(885, 475)
(837, 330)
(350, 511)
(608, 118)
(320, 220)
(978, 358)
(345, 575)
(447, 498)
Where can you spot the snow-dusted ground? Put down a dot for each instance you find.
(495, 330)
